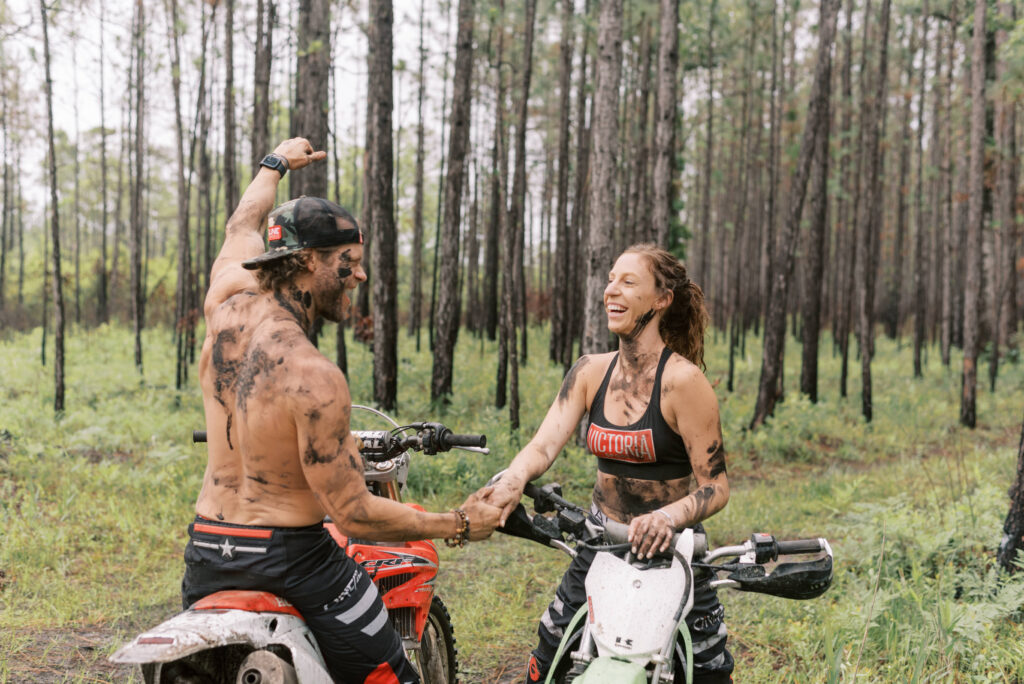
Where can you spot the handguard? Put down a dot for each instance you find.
(539, 529)
(800, 580)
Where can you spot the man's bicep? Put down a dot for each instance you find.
(227, 275)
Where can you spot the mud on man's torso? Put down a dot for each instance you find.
(253, 475)
(625, 402)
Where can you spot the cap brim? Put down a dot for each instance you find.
(279, 253)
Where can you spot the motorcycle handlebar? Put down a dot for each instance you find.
(198, 436)
(800, 546)
(451, 439)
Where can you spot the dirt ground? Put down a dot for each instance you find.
(55, 656)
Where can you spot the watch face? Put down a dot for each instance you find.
(272, 161)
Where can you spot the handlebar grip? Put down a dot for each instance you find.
(531, 490)
(800, 546)
(198, 436)
(454, 440)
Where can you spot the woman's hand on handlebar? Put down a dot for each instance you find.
(483, 516)
(650, 533)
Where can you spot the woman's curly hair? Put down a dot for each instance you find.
(683, 325)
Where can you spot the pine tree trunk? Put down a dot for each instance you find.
(1013, 527)
(816, 252)
(603, 162)
(449, 304)
(58, 289)
(563, 259)
(638, 224)
(1003, 266)
(76, 206)
(363, 297)
(894, 273)
(845, 254)
(972, 284)
(230, 180)
(921, 265)
(382, 217)
(873, 120)
(416, 285)
(182, 299)
(102, 306)
(309, 115)
(516, 225)
(266, 16)
(782, 264)
(137, 228)
(496, 214)
(665, 126)
(703, 272)
(574, 298)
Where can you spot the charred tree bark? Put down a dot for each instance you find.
(58, 289)
(603, 162)
(449, 296)
(817, 117)
(1013, 527)
(382, 217)
(972, 284)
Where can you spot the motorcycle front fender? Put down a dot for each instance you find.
(611, 670)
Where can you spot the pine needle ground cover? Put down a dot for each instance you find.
(94, 505)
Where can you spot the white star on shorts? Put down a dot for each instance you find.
(227, 550)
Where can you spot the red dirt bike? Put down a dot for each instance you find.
(253, 637)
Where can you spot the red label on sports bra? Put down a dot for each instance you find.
(632, 446)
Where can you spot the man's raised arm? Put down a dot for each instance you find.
(244, 232)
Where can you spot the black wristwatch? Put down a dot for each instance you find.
(275, 162)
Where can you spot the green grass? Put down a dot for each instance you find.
(94, 504)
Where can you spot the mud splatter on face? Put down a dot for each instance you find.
(346, 260)
(641, 323)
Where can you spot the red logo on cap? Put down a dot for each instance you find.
(274, 233)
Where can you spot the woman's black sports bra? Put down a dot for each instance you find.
(646, 450)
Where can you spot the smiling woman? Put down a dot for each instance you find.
(655, 431)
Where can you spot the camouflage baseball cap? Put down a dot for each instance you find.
(306, 222)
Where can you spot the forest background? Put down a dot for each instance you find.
(829, 172)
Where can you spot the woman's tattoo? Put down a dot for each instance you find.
(717, 461)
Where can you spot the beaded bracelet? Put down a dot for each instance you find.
(462, 534)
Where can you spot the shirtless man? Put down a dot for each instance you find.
(277, 416)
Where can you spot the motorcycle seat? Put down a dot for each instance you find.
(251, 601)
